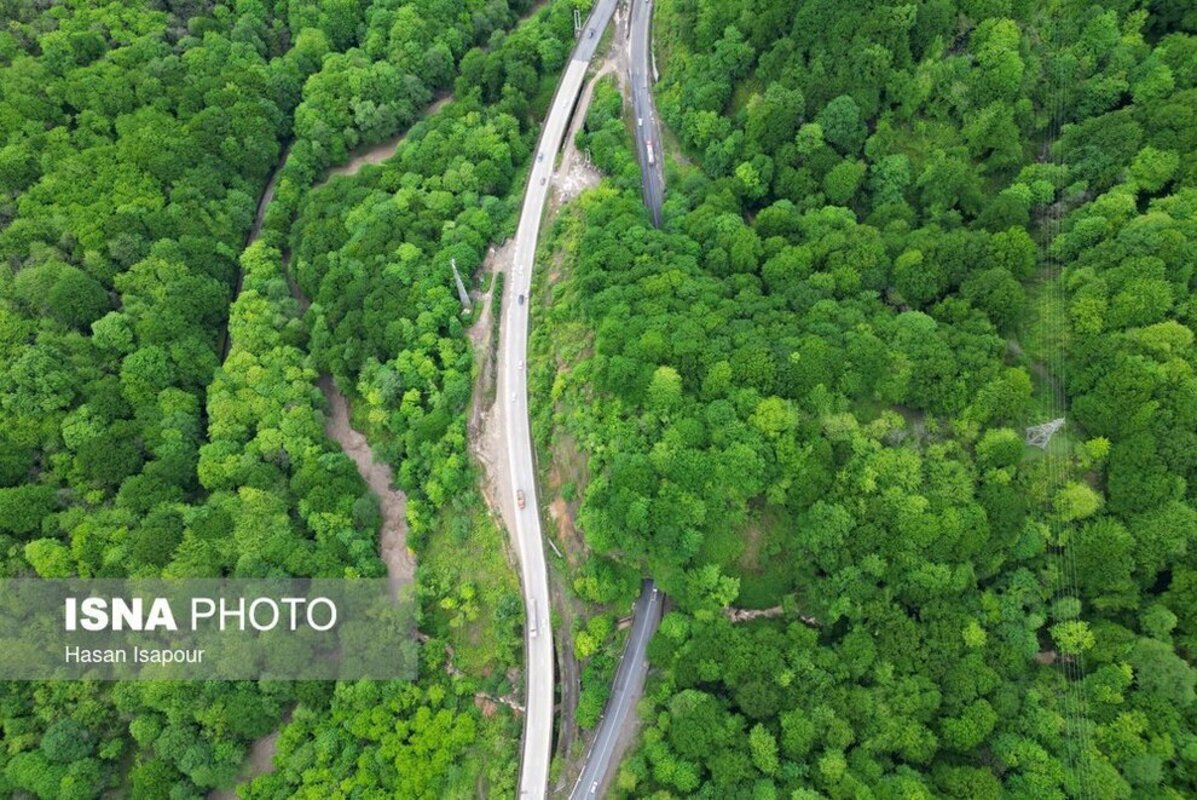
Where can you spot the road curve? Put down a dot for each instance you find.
(513, 416)
(648, 127)
(629, 683)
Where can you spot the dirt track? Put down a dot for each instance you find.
(378, 153)
(392, 538)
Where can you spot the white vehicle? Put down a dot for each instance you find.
(532, 630)
(594, 788)
(639, 122)
(648, 145)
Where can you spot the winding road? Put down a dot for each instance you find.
(629, 684)
(513, 417)
(648, 127)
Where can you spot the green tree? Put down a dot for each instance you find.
(763, 748)
(841, 124)
(842, 182)
(23, 507)
(1152, 169)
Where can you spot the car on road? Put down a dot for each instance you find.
(594, 788)
(533, 631)
(540, 157)
(521, 299)
(521, 499)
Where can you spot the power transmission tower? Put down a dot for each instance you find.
(1040, 435)
(461, 289)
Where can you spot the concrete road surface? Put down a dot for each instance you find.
(513, 410)
(648, 128)
(629, 683)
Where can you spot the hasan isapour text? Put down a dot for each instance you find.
(131, 655)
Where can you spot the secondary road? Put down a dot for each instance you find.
(629, 683)
(648, 128)
(633, 667)
(513, 417)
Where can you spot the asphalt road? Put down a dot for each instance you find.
(648, 127)
(629, 683)
(633, 667)
(513, 410)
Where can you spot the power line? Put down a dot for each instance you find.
(1072, 669)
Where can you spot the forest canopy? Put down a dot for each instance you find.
(896, 236)
(158, 375)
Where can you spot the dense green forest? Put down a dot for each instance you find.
(158, 378)
(372, 253)
(896, 235)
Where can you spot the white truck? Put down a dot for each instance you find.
(648, 145)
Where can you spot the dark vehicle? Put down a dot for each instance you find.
(521, 299)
